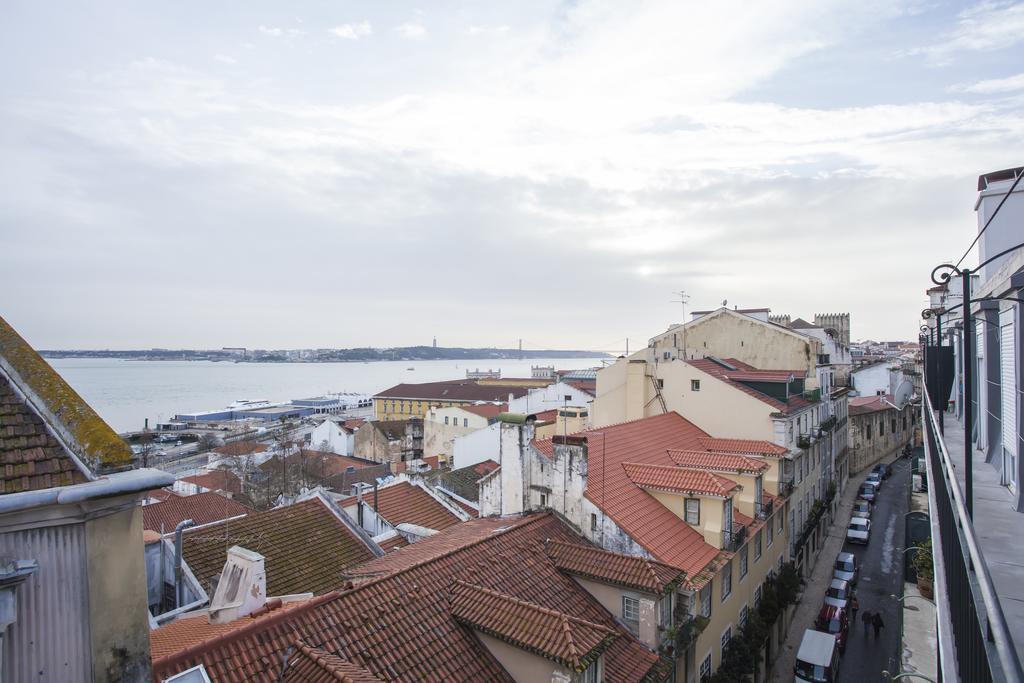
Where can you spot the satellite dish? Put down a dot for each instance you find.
(903, 394)
(725, 302)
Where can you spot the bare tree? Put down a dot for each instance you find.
(146, 446)
(207, 442)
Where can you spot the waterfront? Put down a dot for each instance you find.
(126, 392)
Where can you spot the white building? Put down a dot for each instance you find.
(551, 397)
(333, 437)
(441, 426)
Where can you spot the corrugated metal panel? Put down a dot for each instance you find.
(50, 640)
(1008, 389)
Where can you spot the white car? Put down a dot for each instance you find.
(859, 531)
(862, 508)
(874, 478)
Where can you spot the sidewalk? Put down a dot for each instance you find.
(813, 594)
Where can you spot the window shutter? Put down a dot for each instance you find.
(1008, 385)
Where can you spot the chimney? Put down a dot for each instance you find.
(242, 587)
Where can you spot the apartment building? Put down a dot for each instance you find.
(662, 488)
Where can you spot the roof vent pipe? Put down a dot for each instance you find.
(184, 524)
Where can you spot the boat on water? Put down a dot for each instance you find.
(410, 368)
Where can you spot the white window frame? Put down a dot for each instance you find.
(726, 580)
(705, 669)
(724, 642)
(705, 599)
(744, 561)
(627, 606)
(686, 510)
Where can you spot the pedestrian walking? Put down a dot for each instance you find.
(866, 620)
(854, 606)
(876, 621)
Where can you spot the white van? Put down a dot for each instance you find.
(817, 661)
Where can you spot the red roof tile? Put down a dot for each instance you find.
(31, 458)
(318, 463)
(195, 628)
(399, 626)
(486, 410)
(405, 503)
(743, 446)
(218, 480)
(313, 665)
(679, 479)
(860, 405)
(306, 546)
(454, 390)
(631, 571)
(718, 462)
(201, 508)
(394, 543)
(749, 372)
(667, 537)
(571, 642)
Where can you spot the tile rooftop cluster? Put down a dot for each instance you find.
(860, 405)
(217, 480)
(718, 462)
(463, 481)
(486, 410)
(201, 508)
(306, 545)
(574, 643)
(742, 446)
(397, 621)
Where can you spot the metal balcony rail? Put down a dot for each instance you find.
(804, 441)
(733, 539)
(763, 510)
(974, 639)
(786, 486)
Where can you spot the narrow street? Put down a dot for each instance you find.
(881, 576)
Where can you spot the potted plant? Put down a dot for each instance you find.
(924, 568)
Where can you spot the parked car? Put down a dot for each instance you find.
(874, 478)
(839, 593)
(867, 491)
(846, 568)
(817, 660)
(862, 508)
(833, 620)
(859, 531)
(883, 469)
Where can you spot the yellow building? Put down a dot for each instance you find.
(404, 401)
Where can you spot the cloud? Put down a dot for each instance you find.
(488, 30)
(225, 59)
(993, 86)
(987, 26)
(277, 32)
(352, 31)
(411, 30)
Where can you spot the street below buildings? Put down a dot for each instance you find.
(881, 576)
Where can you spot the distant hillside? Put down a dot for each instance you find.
(402, 353)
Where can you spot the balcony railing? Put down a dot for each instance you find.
(829, 424)
(763, 510)
(974, 639)
(786, 487)
(733, 539)
(803, 441)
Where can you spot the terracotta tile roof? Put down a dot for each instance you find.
(394, 543)
(313, 665)
(399, 626)
(679, 479)
(218, 480)
(743, 446)
(195, 628)
(741, 519)
(161, 494)
(750, 373)
(241, 448)
(487, 410)
(571, 642)
(31, 458)
(667, 537)
(718, 462)
(859, 405)
(454, 390)
(546, 415)
(307, 548)
(587, 386)
(317, 463)
(631, 571)
(404, 503)
(202, 508)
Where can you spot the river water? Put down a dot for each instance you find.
(126, 392)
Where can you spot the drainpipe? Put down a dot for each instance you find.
(177, 560)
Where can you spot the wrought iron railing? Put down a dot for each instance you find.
(763, 510)
(786, 486)
(804, 441)
(732, 539)
(829, 424)
(974, 639)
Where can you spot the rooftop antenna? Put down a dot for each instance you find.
(683, 298)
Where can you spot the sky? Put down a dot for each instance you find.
(337, 174)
